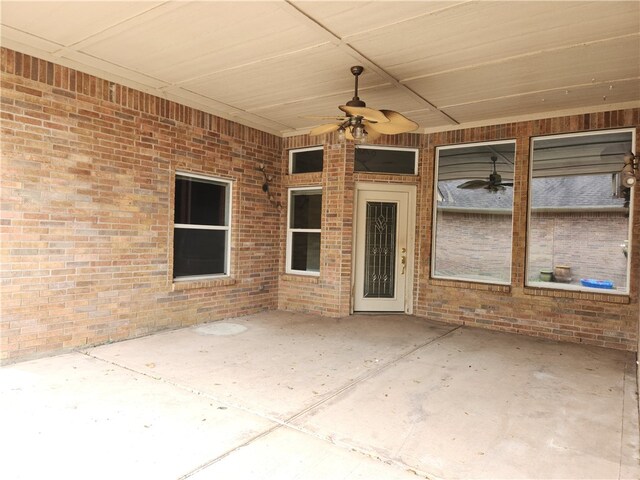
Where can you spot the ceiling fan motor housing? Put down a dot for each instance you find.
(356, 102)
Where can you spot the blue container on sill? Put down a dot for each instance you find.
(590, 282)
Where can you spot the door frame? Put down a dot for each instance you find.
(411, 190)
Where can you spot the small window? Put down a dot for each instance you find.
(473, 212)
(306, 160)
(201, 227)
(303, 231)
(403, 161)
(579, 225)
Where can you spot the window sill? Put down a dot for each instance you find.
(471, 285)
(292, 277)
(202, 283)
(550, 289)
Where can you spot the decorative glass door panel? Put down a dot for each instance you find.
(380, 245)
(383, 268)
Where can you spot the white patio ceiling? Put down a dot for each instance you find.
(268, 64)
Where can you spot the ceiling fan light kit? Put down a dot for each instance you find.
(362, 123)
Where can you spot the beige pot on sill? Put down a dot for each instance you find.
(562, 273)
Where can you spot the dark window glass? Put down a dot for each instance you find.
(305, 251)
(306, 210)
(200, 202)
(306, 161)
(385, 161)
(199, 252)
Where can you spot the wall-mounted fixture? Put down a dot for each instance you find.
(630, 174)
(266, 186)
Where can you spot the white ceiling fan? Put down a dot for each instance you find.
(361, 123)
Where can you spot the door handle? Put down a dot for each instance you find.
(403, 260)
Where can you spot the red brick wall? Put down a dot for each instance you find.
(87, 208)
(87, 211)
(592, 318)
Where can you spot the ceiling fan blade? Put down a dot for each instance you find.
(372, 134)
(474, 184)
(322, 129)
(506, 184)
(337, 118)
(368, 114)
(398, 123)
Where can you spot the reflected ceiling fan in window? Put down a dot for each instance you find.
(362, 123)
(494, 183)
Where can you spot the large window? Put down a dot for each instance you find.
(303, 231)
(579, 212)
(473, 212)
(201, 227)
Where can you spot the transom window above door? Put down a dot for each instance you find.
(393, 160)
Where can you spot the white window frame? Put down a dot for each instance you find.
(227, 228)
(564, 286)
(416, 152)
(438, 196)
(306, 149)
(291, 231)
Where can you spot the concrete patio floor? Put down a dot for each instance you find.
(288, 396)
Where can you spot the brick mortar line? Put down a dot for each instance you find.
(287, 422)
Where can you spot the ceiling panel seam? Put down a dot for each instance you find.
(231, 109)
(316, 97)
(566, 88)
(351, 51)
(127, 23)
(500, 61)
(249, 64)
(408, 19)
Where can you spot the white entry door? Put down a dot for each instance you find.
(384, 239)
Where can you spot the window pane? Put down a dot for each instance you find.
(579, 219)
(199, 252)
(200, 202)
(305, 251)
(306, 208)
(306, 161)
(474, 213)
(385, 161)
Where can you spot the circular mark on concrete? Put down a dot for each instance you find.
(221, 328)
